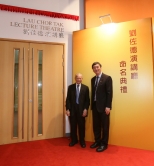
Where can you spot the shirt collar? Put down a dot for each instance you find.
(99, 76)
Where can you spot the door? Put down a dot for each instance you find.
(31, 91)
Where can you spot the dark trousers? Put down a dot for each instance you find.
(77, 121)
(100, 126)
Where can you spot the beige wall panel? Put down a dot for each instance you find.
(132, 115)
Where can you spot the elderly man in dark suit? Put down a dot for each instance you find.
(77, 104)
(101, 86)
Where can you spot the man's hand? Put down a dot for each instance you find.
(67, 112)
(84, 113)
(107, 110)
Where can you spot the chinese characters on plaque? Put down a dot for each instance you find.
(40, 28)
(133, 63)
(123, 78)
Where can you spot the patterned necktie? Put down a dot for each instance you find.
(77, 94)
(95, 87)
(96, 83)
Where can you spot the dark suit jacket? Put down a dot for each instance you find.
(84, 100)
(104, 92)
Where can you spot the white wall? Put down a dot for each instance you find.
(72, 7)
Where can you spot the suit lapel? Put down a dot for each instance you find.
(81, 89)
(101, 79)
(93, 82)
(74, 90)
